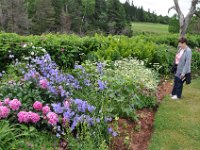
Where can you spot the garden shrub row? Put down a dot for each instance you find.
(66, 50)
(171, 39)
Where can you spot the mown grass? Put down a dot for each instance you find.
(139, 27)
(177, 123)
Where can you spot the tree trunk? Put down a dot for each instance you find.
(184, 21)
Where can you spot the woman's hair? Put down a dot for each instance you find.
(182, 40)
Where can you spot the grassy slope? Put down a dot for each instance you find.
(177, 123)
(149, 27)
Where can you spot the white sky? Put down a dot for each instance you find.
(160, 7)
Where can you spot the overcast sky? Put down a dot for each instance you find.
(161, 6)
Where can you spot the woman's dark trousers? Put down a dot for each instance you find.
(178, 87)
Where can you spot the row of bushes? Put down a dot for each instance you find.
(67, 49)
(171, 39)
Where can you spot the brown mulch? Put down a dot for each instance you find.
(136, 135)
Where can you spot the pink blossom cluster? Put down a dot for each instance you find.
(37, 105)
(43, 83)
(52, 118)
(4, 111)
(46, 110)
(6, 101)
(28, 117)
(15, 104)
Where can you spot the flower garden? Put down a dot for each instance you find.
(68, 95)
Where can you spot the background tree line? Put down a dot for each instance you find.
(72, 16)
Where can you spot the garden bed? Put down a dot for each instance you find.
(137, 135)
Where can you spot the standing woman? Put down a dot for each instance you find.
(182, 68)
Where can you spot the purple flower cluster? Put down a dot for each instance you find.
(72, 115)
(114, 133)
(100, 67)
(83, 106)
(49, 76)
(102, 84)
(82, 119)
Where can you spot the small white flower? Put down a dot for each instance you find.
(25, 45)
(43, 50)
(32, 53)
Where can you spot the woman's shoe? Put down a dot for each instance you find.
(174, 97)
(171, 95)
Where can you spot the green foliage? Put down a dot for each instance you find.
(34, 139)
(88, 139)
(23, 137)
(194, 26)
(174, 25)
(7, 135)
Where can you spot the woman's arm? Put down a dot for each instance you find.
(187, 66)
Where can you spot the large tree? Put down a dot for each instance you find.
(44, 17)
(184, 20)
(13, 16)
(116, 17)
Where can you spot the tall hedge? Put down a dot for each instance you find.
(67, 50)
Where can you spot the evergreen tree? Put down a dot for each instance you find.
(127, 9)
(116, 17)
(14, 17)
(100, 15)
(44, 17)
(88, 7)
(75, 11)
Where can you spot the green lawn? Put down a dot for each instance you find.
(139, 27)
(177, 123)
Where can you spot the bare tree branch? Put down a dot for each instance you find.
(173, 7)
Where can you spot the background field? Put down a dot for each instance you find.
(139, 27)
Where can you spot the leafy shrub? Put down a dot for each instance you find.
(124, 88)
